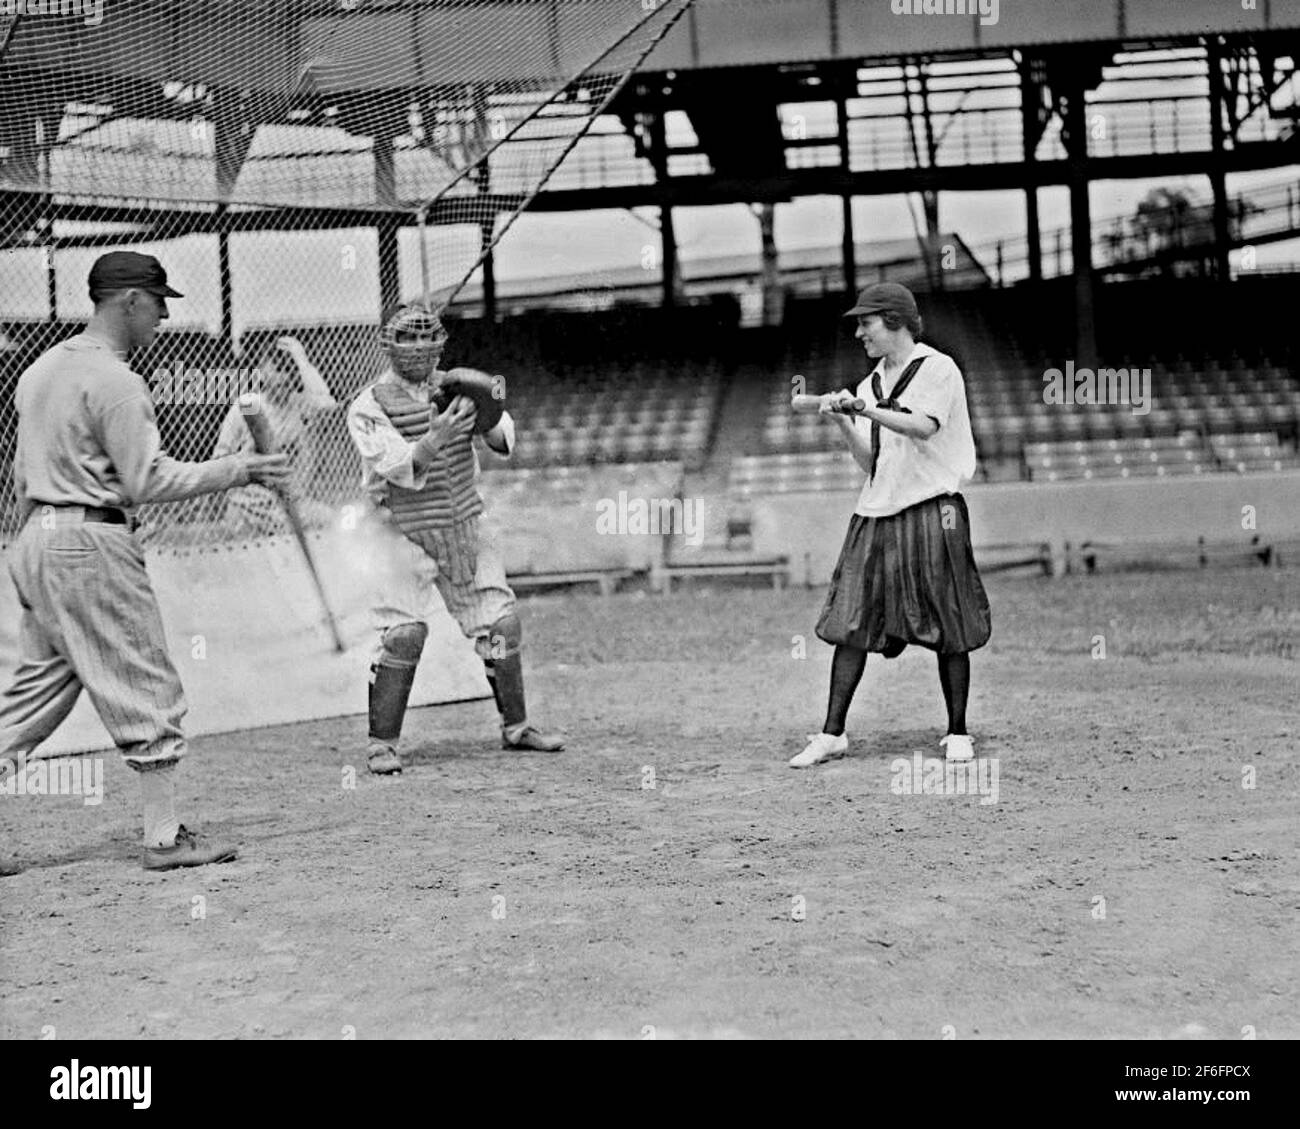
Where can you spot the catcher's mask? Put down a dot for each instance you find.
(413, 338)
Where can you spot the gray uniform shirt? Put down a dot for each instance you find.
(88, 436)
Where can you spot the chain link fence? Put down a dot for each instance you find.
(298, 169)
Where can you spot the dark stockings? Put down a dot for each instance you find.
(954, 677)
(846, 673)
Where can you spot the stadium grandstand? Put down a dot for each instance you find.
(306, 175)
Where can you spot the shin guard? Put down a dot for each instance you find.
(391, 677)
(504, 667)
(506, 677)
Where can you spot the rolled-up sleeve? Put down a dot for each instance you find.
(932, 390)
(384, 453)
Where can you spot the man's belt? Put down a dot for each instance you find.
(93, 513)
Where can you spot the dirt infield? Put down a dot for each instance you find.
(1125, 883)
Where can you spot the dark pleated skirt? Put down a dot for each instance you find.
(910, 577)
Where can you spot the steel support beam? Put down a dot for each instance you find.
(390, 292)
(226, 287)
(687, 191)
(1218, 174)
(848, 240)
(1033, 118)
(667, 234)
(1075, 135)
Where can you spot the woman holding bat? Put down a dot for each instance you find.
(906, 573)
(293, 394)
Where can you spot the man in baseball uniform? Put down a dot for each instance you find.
(88, 453)
(293, 394)
(420, 469)
(906, 574)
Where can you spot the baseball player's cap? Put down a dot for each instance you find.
(882, 298)
(126, 270)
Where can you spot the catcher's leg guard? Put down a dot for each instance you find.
(391, 676)
(504, 666)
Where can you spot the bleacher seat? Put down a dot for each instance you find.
(1157, 455)
(793, 472)
(616, 388)
(1253, 451)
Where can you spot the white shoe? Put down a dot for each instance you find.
(821, 746)
(958, 747)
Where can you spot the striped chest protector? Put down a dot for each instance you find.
(449, 495)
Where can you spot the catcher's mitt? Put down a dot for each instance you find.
(487, 392)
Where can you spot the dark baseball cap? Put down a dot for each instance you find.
(884, 297)
(126, 270)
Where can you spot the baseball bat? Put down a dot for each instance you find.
(812, 405)
(250, 406)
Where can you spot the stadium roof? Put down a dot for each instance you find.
(785, 31)
(431, 45)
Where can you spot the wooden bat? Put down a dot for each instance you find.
(812, 405)
(250, 406)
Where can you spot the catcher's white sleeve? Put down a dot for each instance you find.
(385, 455)
(502, 437)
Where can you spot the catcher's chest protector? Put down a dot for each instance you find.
(448, 495)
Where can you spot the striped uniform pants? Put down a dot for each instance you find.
(462, 562)
(89, 619)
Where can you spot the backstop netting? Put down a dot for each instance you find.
(297, 167)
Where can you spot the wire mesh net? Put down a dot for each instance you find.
(297, 168)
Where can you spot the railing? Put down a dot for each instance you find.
(1178, 231)
(877, 141)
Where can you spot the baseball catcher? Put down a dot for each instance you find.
(414, 429)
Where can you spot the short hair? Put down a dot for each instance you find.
(100, 294)
(911, 322)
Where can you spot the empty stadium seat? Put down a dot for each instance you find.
(1253, 451)
(805, 471)
(1119, 457)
